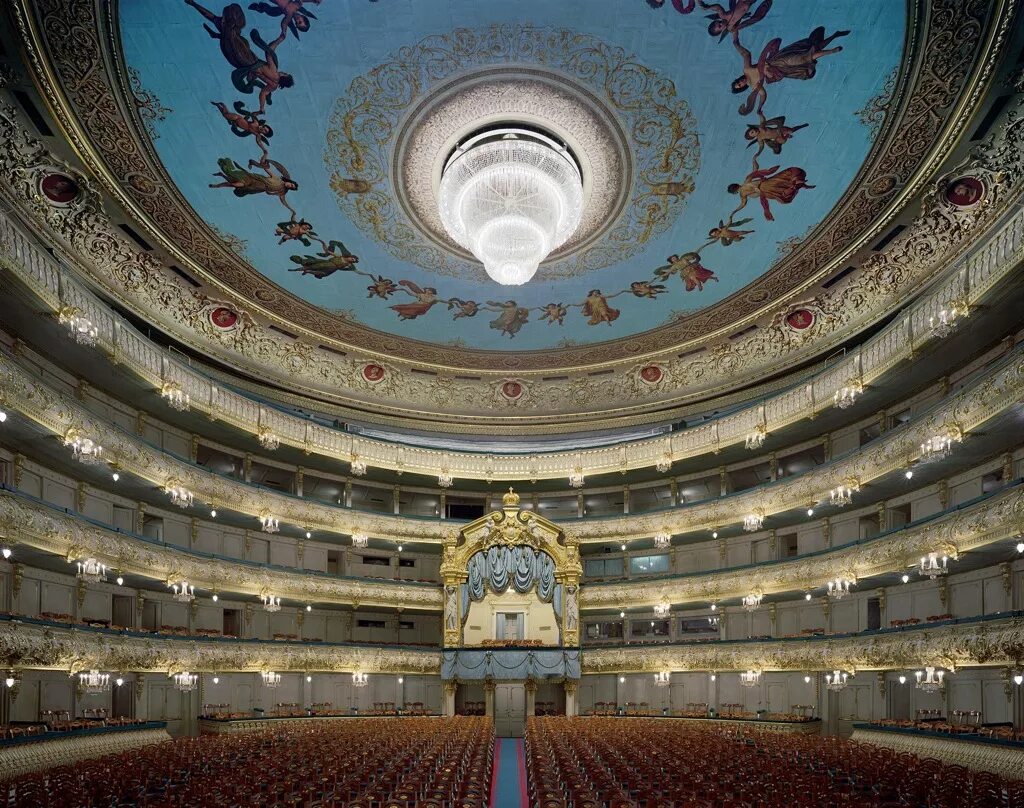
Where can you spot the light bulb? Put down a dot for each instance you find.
(909, 474)
(309, 678)
(213, 513)
(400, 680)
(3, 416)
(399, 548)
(714, 607)
(810, 511)
(309, 608)
(115, 476)
(714, 534)
(905, 578)
(309, 535)
(623, 548)
(807, 596)
(216, 680)
(903, 680)
(622, 680)
(1020, 547)
(120, 581)
(1018, 678)
(6, 552)
(9, 681)
(215, 597)
(713, 677)
(807, 680)
(622, 614)
(119, 681)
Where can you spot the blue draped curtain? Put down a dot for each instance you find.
(520, 567)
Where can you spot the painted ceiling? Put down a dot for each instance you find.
(282, 123)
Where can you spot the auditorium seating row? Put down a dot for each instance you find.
(357, 763)
(645, 763)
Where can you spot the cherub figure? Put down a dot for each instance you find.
(689, 269)
(511, 318)
(767, 185)
(425, 300)
(381, 287)
(674, 189)
(247, 183)
(347, 185)
(293, 16)
(337, 258)
(647, 289)
(554, 313)
(796, 61)
(770, 132)
(246, 124)
(295, 230)
(463, 308)
(682, 6)
(596, 307)
(736, 18)
(727, 234)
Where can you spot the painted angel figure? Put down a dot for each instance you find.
(426, 297)
(511, 319)
(249, 183)
(337, 258)
(690, 270)
(596, 307)
(771, 185)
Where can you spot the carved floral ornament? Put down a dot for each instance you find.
(139, 282)
(1000, 388)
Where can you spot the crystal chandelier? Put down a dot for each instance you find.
(183, 592)
(360, 679)
(94, 682)
(943, 323)
(360, 539)
(663, 540)
(83, 449)
(268, 439)
(185, 681)
(271, 603)
(930, 679)
(846, 395)
(444, 479)
(269, 523)
(510, 196)
(752, 602)
(750, 678)
(80, 326)
(842, 495)
(663, 678)
(932, 565)
(755, 439)
(664, 463)
(178, 493)
(753, 521)
(936, 448)
(176, 398)
(836, 680)
(662, 609)
(270, 678)
(576, 478)
(357, 466)
(91, 571)
(839, 588)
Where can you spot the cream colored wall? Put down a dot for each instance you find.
(540, 623)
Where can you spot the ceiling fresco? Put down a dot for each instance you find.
(713, 136)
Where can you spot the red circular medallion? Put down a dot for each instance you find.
(223, 318)
(965, 192)
(59, 188)
(800, 319)
(651, 374)
(373, 372)
(511, 389)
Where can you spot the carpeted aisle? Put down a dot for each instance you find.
(508, 784)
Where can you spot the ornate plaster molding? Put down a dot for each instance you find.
(44, 528)
(996, 391)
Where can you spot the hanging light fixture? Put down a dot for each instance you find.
(510, 196)
(178, 493)
(932, 565)
(185, 681)
(750, 678)
(91, 571)
(176, 398)
(444, 479)
(271, 603)
(268, 439)
(576, 479)
(942, 324)
(842, 495)
(663, 678)
(84, 450)
(755, 439)
(360, 539)
(753, 521)
(930, 680)
(752, 602)
(360, 679)
(356, 466)
(269, 523)
(846, 395)
(663, 540)
(664, 463)
(839, 588)
(662, 609)
(94, 683)
(80, 326)
(183, 592)
(836, 680)
(270, 678)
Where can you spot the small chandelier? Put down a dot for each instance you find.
(664, 463)
(271, 603)
(663, 678)
(270, 678)
(91, 571)
(360, 539)
(444, 479)
(84, 450)
(176, 398)
(938, 447)
(94, 682)
(750, 678)
(662, 609)
(839, 588)
(932, 565)
(752, 602)
(357, 466)
(183, 592)
(80, 326)
(269, 523)
(846, 395)
(755, 439)
(930, 679)
(943, 323)
(268, 438)
(576, 478)
(360, 679)
(185, 681)
(753, 521)
(178, 493)
(836, 680)
(842, 495)
(663, 540)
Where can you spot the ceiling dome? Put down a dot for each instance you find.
(510, 197)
